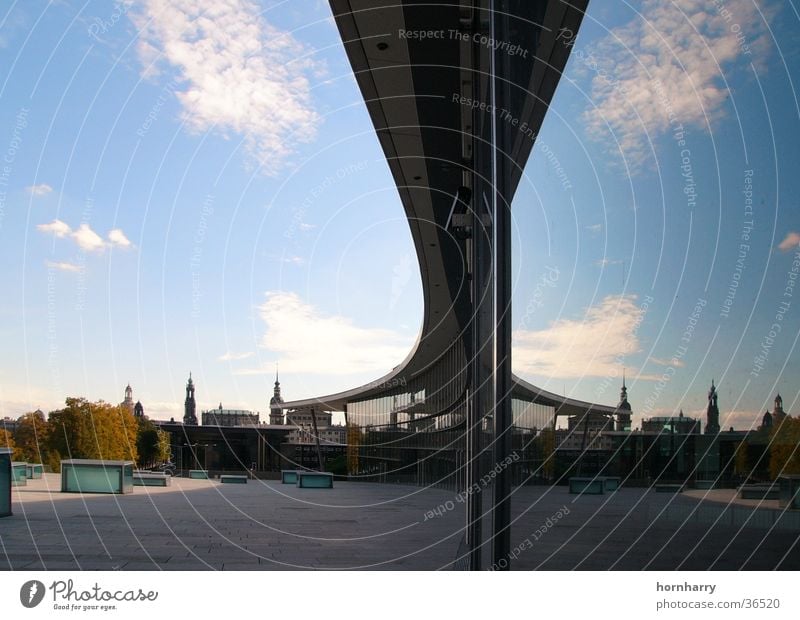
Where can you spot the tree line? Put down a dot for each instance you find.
(87, 430)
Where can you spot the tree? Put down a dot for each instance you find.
(545, 445)
(784, 452)
(741, 460)
(32, 436)
(85, 430)
(337, 465)
(7, 441)
(152, 444)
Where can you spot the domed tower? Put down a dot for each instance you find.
(778, 414)
(623, 408)
(712, 413)
(138, 410)
(766, 421)
(189, 405)
(128, 401)
(275, 409)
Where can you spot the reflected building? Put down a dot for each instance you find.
(712, 412)
(671, 424)
(624, 412)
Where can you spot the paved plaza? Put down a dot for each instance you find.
(263, 525)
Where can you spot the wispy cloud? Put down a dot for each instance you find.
(790, 242)
(672, 58)
(675, 362)
(56, 227)
(64, 266)
(39, 190)
(594, 228)
(238, 73)
(604, 262)
(232, 357)
(293, 260)
(588, 347)
(306, 340)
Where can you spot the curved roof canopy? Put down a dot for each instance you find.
(413, 62)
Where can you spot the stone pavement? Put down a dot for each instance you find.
(263, 525)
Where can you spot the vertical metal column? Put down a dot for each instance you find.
(481, 353)
(501, 259)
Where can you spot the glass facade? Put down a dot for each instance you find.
(93, 476)
(415, 432)
(35, 471)
(19, 474)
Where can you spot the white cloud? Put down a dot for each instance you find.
(56, 227)
(293, 260)
(587, 347)
(308, 341)
(676, 55)
(790, 242)
(237, 73)
(39, 190)
(232, 357)
(118, 238)
(87, 239)
(594, 228)
(64, 266)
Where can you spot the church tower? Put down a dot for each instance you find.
(189, 406)
(778, 414)
(275, 409)
(712, 413)
(128, 402)
(623, 408)
(138, 410)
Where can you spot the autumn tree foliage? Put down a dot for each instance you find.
(87, 430)
(784, 451)
(32, 436)
(7, 441)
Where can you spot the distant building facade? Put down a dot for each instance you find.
(230, 417)
(680, 424)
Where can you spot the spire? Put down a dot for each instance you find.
(712, 413)
(277, 382)
(189, 405)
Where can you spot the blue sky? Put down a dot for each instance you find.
(198, 188)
